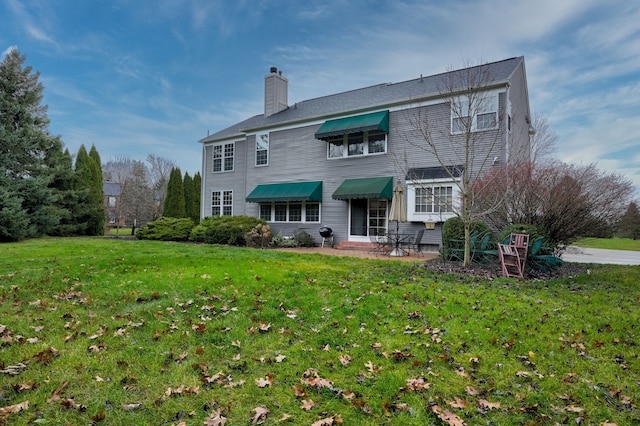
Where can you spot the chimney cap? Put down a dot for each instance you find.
(273, 70)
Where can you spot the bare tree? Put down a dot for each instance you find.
(567, 201)
(465, 138)
(137, 202)
(544, 141)
(160, 170)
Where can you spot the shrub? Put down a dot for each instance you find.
(280, 240)
(229, 230)
(259, 236)
(453, 229)
(166, 229)
(304, 239)
(534, 231)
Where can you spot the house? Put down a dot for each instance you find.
(112, 192)
(334, 160)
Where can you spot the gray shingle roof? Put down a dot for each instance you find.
(373, 97)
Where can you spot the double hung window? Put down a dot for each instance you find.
(222, 203)
(476, 112)
(223, 157)
(262, 149)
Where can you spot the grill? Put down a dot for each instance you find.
(327, 235)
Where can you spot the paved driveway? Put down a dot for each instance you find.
(591, 255)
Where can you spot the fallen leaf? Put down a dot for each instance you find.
(471, 390)
(447, 416)
(264, 382)
(458, 402)
(372, 368)
(307, 404)
(486, 405)
(131, 407)
(345, 359)
(215, 419)
(260, 416)
(16, 408)
(14, 369)
(417, 384)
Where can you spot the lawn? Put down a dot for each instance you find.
(609, 243)
(120, 332)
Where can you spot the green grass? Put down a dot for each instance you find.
(101, 324)
(609, 243)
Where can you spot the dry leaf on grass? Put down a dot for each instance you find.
(16, 408)
(260, 416)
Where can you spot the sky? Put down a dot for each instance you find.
(155, 76)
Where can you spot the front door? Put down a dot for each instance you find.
(367, 217)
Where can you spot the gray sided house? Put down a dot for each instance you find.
(333, 161)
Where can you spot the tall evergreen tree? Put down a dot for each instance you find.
(69, 199)
(194, 211)
(28, 154)
(88, 176)
(187, 186)
(174, 204)
(97, 226)
(629, 225)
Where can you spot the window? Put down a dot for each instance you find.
(262, 149)
(431, 200)
(223, 157)
(435, 199)
(482, 114)
(357, 144)
(290, 212)
(222, 203)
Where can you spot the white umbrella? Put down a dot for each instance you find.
(398, 214)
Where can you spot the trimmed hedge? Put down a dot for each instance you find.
(228, 230)
(166, 229)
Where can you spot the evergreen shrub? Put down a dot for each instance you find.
(167, 229)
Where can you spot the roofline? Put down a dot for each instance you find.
(242, 132)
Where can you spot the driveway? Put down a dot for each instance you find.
(592, 255)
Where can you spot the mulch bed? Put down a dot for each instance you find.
(494, 270)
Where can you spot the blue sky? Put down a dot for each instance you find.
(153, 76)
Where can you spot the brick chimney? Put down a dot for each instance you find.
(275, 92)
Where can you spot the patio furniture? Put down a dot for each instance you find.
(382, 243)
(456, 247)
(541, 257)
(413, 243)
(510, 260)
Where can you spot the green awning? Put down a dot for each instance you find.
(377, 187)
(359, 123)
(294, 191)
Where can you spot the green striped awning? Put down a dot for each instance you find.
(293, 191)
(359, 123)
(376, 187)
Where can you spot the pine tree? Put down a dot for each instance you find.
(88, 176)
(629, 225)
(28, 154)
(174, 204)
(69, 200)
(187, 186)
(194, 212)
(97, 225)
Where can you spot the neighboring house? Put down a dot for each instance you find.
(333, 161)
(112, 192)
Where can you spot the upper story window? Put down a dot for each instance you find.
(473, 113)
(357, 144)
(223, 157)
(262, 149)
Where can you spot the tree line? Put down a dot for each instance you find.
(43, 191)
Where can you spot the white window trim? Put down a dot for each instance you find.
(303, 212)
(264, 136)
(483, 103)
(365, 153)
(222, 166)
(413, 216)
